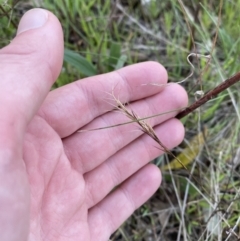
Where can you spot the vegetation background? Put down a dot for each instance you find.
(201, 203)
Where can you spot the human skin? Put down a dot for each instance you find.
(56, 183)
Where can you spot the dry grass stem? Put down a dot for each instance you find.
(131, 121)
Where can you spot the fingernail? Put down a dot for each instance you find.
(32, 19)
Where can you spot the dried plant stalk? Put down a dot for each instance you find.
(145, 127)
(210, 95)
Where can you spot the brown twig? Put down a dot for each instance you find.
(210, 95)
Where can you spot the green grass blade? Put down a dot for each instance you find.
(79, 62)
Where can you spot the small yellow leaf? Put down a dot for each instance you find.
(188, 154)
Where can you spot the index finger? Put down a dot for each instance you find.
(71, 107)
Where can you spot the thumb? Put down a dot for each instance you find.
(29, 66)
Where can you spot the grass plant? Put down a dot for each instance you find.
(103, 35)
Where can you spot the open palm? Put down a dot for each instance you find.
(60, 184)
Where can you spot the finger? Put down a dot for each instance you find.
(89, 149)
(75, 105)
(119, 167)
(29, 66)
(120, 204)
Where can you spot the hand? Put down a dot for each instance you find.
(56, 183)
